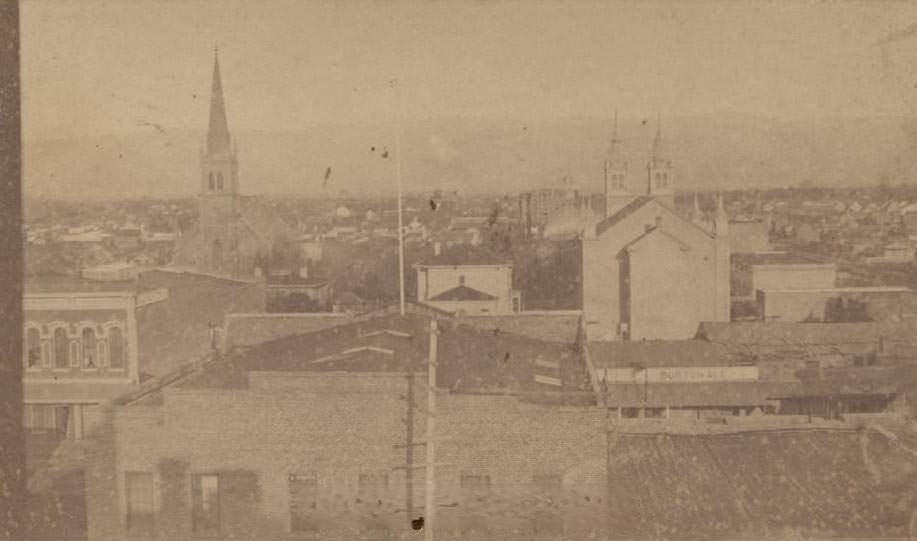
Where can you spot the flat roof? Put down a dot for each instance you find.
(864, 289)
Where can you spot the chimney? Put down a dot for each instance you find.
(437, 248)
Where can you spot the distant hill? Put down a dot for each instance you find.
(723, 151)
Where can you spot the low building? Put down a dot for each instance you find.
(779, 270)
(468, 281)
(289, 292)
(835, 304)
(172, 475)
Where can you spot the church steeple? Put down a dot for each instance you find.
(660, 181)
(218, 200)
(218, 140)
(615, 165)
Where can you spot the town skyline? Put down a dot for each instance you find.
(533, 96)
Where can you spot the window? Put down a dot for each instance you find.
(45, 353)
(547, 482)
(115, 348)
(373, 481)
(75, 354)
(46, 419)
(475, 481)
(89, 349)
(32, 349)
(102, 347)
(138, 489)
(61, 348)
(205, 503)
(211, 180)
(303, 502)
(219, 181)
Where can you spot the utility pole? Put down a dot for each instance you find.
(409, 444)
(430, 492)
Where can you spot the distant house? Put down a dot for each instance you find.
(467, 280)
(288, 292)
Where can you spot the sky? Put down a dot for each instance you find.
(108, 67)
(104, 66)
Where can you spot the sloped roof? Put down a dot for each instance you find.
(550, 326)
(656, 231)
(622, 213)
(743, 484)
(464, 254)
(463, 293)
(777, 334)
(658, 353)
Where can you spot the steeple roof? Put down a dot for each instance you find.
(614, 149)
(218, 140)
(657, 153)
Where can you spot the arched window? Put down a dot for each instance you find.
(102, 347)
(89, 349)
(219, 181)
(32, 348)
(75, 354)
(115, 348)
(211, 180)
(61, 348)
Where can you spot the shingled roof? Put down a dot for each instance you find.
(463, 293)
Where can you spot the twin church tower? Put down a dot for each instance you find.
(659, 174)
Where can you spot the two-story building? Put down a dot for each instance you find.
(467, 280)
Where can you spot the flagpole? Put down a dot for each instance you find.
(400, 208)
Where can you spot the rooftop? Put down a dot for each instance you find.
(778, 258)
(658, 353)
(71, 284)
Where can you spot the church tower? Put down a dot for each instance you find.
(616, 195)
(660, 178)
(218, 200)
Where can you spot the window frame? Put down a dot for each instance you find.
(197, 505)
(94, 350)
(151, 531)
(26, 359)
(54, 348)
(123, 348)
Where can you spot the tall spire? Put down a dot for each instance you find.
(218, 140)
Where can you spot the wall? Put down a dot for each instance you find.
(659, 268)
(468, 307)
(602, 271)
(802, 305)
(802, 276)
(340, 426)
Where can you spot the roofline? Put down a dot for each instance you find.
(452, 266)
(865, 289)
